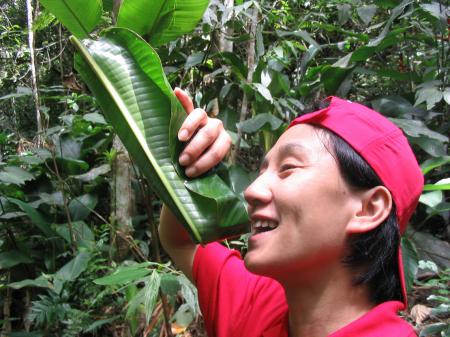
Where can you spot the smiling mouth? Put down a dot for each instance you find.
(261, 226)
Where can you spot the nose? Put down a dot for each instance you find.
(259, 192)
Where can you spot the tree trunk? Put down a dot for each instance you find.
(122, 195)
(226, 45)
(26, 320)
(251, 69)
(34, 87)
(6, 329)
(122, 201)
(222, 44)
(115, 11)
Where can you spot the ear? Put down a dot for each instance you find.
(373, 209)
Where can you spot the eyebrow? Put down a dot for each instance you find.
(287, 149)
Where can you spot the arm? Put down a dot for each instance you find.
(208, 145)
(176, 242)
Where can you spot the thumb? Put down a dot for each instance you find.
(184, 99)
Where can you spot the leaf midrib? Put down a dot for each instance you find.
(114, 95)
(159, 17)
(76, 18)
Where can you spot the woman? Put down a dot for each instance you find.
(327, 210)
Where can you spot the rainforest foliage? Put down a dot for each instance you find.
(79, 252)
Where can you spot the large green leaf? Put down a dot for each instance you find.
(123, 275)
(78, 16)
(263, 121)
(126, 76)
(84, 236)
(415, 128)
(40, 282)
(72, 269)
(410, 261)
(68, 166)
(13, 257)
(161, 20)
(36, 217)
(441, 185)
(334, 77)
(396, 12)
(151, 294)
(432, 163)
(82, 206)
(366, 13)
(14, 175)
(169, 284)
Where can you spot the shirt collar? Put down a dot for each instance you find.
(382, 318)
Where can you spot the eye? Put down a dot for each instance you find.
(287, 167)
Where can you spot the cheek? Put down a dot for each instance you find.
(299, 194)
(311, 206)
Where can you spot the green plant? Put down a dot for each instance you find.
(437, 300)
(208, 208)
(166, 21)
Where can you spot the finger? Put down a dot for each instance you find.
(184, 99)
(211, 157)
(196, 119)
(200, 142)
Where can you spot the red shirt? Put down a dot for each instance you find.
(235, 302)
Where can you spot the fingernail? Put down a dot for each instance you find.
(191, 171)
(184, 159)
(183, 135)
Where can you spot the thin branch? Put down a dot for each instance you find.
(154, 320)
(34, 87)
(146, 195)
(73, 243)
(166, 313)
(250, 66)
(60, 53)
(6, 17)
(61, 66)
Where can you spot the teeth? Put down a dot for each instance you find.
(259, 224)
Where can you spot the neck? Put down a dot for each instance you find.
(322, 304)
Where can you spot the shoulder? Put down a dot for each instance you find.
(233, 300)
(214, 261)
(381, 321)
(212, 258)
(391, 322)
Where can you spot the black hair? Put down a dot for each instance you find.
(372, 255)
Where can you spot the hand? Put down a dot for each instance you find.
(209, 142)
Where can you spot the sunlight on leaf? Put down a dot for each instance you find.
(79, 16)
(165, 20)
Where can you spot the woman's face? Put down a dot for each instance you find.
(299, 206)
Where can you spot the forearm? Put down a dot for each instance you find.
(176, 241)
(207, 143)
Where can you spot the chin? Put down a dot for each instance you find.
(250, 263)
(262, 268)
